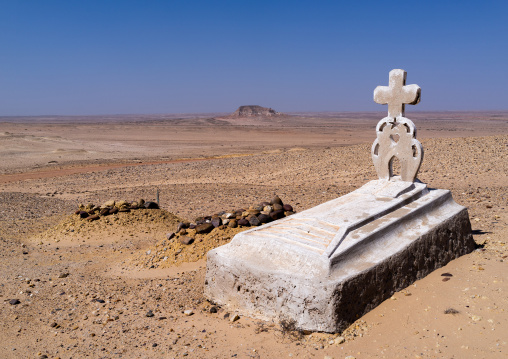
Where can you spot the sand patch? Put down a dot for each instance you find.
(171, 252)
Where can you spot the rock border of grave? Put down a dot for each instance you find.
(91, 212)
(256, 215)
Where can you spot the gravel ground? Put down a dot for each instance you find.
(74, 304)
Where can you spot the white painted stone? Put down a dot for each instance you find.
(326, 266)
(299, 267)
(397, 93)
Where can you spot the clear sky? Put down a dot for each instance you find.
(73, 57)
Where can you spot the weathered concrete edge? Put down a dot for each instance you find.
(360, 294)
(324, 305)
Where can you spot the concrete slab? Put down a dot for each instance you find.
(328, 265)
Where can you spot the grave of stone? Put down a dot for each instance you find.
(325, 267)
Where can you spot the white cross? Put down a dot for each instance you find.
(397, 93)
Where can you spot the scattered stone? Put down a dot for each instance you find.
(204, 228)
(109, 203)
(170, 235)
(93, 218)
(213, 309)
(339, 340)
(233, 223)
(277, 207)
(234, 318)
(182, 225)
(275, 215)
(216, 222)
(287, 208)
(254, 221)
(188, 312)
(276, 200)
(14, 302)
(83, 214)
(243, 222)
(186, 240)
(63, 275)
(263, 218)
(149, 314)
(151, 205)
(446, 275)
(451, 311)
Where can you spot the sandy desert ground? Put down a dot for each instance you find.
(86, 290)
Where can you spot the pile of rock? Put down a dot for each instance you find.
(92, 212)
(257, 215)
(190, 242)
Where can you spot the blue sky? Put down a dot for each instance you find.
(117, 57)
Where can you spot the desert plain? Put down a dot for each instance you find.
(116, 287)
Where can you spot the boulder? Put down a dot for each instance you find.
(151, 205)
(275, 200)
(182, 225)
(287, 208)
(216, 222)
(243, 222)
(109, 203)
(277, 207)
(277, 214)
(186, 240)
(204, 228)
(264, 218)
(254, 221)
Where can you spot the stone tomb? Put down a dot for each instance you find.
(327, 266)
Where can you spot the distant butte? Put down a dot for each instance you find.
(254, 111)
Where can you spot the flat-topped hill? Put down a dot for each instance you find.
(254, 111)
